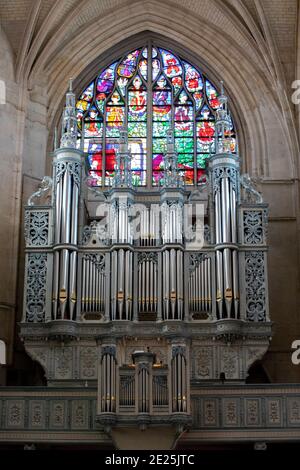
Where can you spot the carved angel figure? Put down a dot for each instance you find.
(250, 190)
(44, 186)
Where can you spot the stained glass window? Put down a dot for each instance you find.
(147, 92)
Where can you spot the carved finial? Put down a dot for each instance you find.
(223, 123)
(222, 87)
(123, 176)
(69, 121)
(71, 84)
(171, 177)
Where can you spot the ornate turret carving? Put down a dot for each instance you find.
(69, 121)
(172, 178)
(123, 178)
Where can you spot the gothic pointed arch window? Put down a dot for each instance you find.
(146, 92)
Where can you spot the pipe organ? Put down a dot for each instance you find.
(128, 299)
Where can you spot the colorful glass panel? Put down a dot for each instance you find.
(212, 95)
(128, 65)
(171, 64)
(127, 95)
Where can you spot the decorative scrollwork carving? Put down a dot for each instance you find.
(36, 287)
(253, 227)
(36, 228)
(97, 259)
(226, 172)
(60, 170)
(196, 259)
(109, 350)
(74, 169)
(147, 257)
(178, 350)
(255, 286)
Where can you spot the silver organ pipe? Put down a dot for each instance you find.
(67, 184)
(55, 284)
(179, 382)
(66, 208)
(130, 284)
(152, 227)
(166, 275)
(151, 290)
(236, 295)
(149, 226)
(172, 271)
(200, 284)
(164, 218)
(93, 283)
(140, 287)
(144, 286)
(205, 284)
(173, 291)
(58, 204)
(209, 286)
(196, 293)
(180, 277)
(127, 307)
(143, 388)
(122, 284)
(155, 283)
(147, 283)
(114, 272)
(90, 296)
(226, 237)
(224, 172)
(171, 224)
(219, 257)
(65, 238)
(227, 257)
(108, 380)
(72, 284)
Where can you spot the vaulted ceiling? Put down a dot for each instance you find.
(32, 25)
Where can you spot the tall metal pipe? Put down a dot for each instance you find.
(173, 293)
